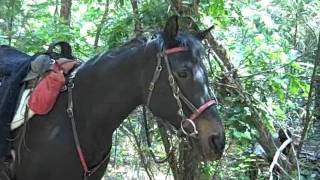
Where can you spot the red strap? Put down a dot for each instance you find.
(83, 161)
(176, 49)
(202, 108)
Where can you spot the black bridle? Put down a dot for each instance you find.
(178, 96)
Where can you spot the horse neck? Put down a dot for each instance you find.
(106, 91)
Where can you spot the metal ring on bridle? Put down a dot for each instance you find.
(195, 132)
(159, 68)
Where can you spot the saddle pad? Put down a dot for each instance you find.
(18, 119)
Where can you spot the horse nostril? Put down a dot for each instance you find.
(212, 141)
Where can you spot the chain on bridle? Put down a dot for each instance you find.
(178, 96)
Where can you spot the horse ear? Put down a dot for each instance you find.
(202, 34)
(171, 29)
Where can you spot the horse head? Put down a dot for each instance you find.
(178, 90)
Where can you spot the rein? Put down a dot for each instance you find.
(178, 96)
(87, 171)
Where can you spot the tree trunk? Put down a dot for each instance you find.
(65, 11)
(184, 167)
(189, 162)
(195, 4)
(56, 13)
(137, 22)
(173, 162)
(102, 22)
(11, 19)
(317, 86)
(317, 97)
(177, 5)
(144, 160)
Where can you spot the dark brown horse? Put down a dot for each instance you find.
(164, 73)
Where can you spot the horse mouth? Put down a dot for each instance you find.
(210, 157)
(205, 151)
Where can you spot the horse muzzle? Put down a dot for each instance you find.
(210, 138)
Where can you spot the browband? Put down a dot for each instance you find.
(175, 50)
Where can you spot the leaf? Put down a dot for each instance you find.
(216, 7)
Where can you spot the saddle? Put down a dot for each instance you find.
(43, 83)
(46, 79)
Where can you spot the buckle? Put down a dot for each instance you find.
(87, 173)
(70, 112)
(70, 84)
(64, 88)
(194, 133)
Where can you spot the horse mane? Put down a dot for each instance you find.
(119, 50)
(132, 43)
(183, 39)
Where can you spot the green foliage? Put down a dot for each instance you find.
(271, 44)
(269, 65)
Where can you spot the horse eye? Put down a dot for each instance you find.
(183, 74)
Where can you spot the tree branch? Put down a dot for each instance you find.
(308, 116)
(100, 27)
(137, 23)
(65, 11)
(276, 157)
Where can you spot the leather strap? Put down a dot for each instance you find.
(175, 50)
(202, 108)
(87, 172)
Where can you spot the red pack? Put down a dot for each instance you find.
(45, 94)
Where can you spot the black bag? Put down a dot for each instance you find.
(14, 66)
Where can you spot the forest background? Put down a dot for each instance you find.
(263, 61)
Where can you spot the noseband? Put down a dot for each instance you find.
(177, 94)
